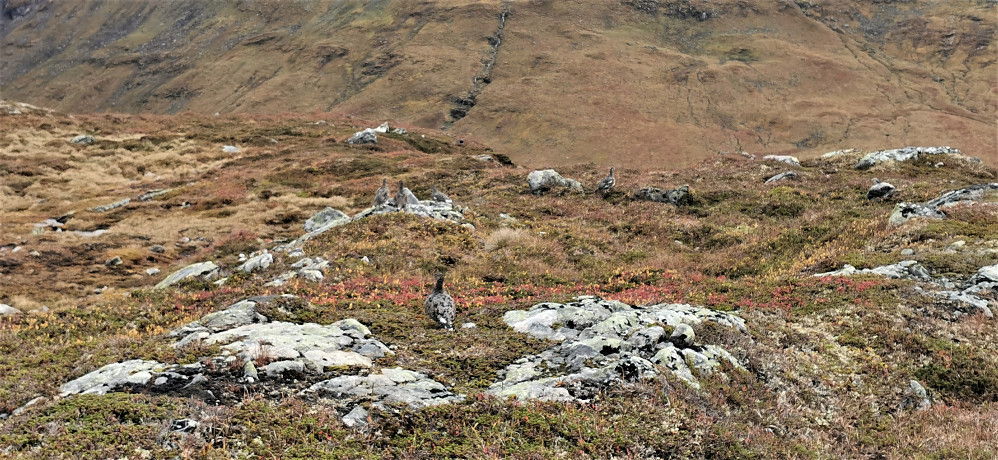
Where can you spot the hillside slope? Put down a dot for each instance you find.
(894, 358)
(614, 82)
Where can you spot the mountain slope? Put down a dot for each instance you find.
(631, 82)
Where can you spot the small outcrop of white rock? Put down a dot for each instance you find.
(388, 388)
(367, 136)
(782, 176)
(256, 262)
(230, 149)
(202, 269)
(112, 376)
(605, 343)
(790, 160)
(84, 139)
(7, 310)
(544, 180)
(963, 296)
(933, 209)
(903, 154)
(327, 218)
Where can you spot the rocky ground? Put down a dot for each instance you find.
(220, 287)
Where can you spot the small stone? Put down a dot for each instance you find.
(328, 217)
(683, 336)
(249, 372)
(791, 160)
(357, 418)
(158, 249)
(469, 326)
(365, 260)
(185, 425)
(83, 139)
(907, 252)
(152, 271)
(367, 136)
(114, 262)
(7, 310)
(230, 149)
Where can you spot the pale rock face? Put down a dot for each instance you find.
(198, 269)
(790, 160)
(604, 343)
(541, 181)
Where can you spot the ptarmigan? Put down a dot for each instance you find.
(439, 196)
(404, 197)
(439, 304)
(606, 184)
(382, 195)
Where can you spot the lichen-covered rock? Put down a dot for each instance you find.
(388, 388)
(111, 206)
(679, 196)
(782, 176)
(367, 136)
(112, 376)
(605, 343)
(199, 269)
(880, 190)
(7, 310)
(933, 208)
(790, 160)
(256, 262)
(83, 139)
(903, 154)
(544, 180)
(327, 216)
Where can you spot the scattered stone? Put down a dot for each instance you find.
(469, 326)
(250, 373)
(327, 217)
(837, 153)
(35, 401)
(114, 262)
(543, 181)
(790, 160)
(257, 262)
(907, 252)
(112, 376)
(356, 418)
(605, 343)
(367, 136)
(7, 310)
(152, 194)
(90, 234)
(184, 425)
(880, 191)
(110, 206)
(484, 158)
(390, 387)
(158, 249)
(203, 269)
(680, 196)
(230, 149)
(933, 208)
(683, 336)
(906, 269)
(782, 176)
(83, 139)
(902, 154)
(918, 398)
(382, 129)
(400, 131)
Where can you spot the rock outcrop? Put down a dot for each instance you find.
(544, 180)
(202, 269)
(965, 298)
(680, 196)
(276, 354)
(934, 208)
(790, 160)
(903, 154)
(605, 343)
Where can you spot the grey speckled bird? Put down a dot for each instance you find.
(404, 197)
(439, 196)
(607, 183)
(382, 195)
(439, 305)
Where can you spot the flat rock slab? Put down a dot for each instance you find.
(285, 351)
(603, 343)
(390, 387)
(190, 271)
(903, 154)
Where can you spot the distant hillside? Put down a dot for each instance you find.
(622, 82)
